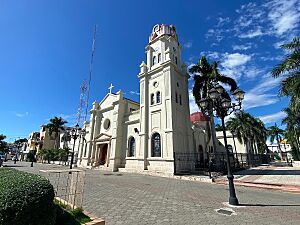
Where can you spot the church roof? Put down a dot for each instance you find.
(128, 99)
(198, 117)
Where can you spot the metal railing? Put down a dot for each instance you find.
(68, 185)
(207, 163)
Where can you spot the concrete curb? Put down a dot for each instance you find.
(95, 220)
(280, 187)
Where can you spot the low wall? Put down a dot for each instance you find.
(296, 163)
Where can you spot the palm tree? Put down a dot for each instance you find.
(205, 75)
(289, 68)
(276, 133)
(248, 130)
(55, 126)
(292, 120)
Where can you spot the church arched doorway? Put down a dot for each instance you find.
(103, 154)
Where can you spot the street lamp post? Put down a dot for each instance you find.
(219, 101)
(75, 133)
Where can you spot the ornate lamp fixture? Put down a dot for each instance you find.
(219, 101)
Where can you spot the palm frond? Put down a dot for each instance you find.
(228, 80)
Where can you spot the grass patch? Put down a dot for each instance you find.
(67, 216)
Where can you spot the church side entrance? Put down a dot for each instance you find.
(103, 154)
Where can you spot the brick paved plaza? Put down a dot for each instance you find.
(131, 199)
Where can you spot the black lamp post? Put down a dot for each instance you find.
(220, 101)
(75, 133)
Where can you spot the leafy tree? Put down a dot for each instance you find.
(205, 75)
(56, 125)
(274, 132)
(218, 127)
(292, 131)
(21, 141)
(289, 68)
(31, 157)
(3, 144)
(248, 130)
(63, 154)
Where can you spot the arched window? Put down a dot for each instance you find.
(180, 100)
(131, 147)
(176, 60)
(159, 58)
(155, 145)
(152, 99)
(158, 97)
(176, 97)
(153, 60)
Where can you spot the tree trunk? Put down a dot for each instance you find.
(279, 148)
(297, 143)
(234, 143)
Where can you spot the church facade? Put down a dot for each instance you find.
(126, 135)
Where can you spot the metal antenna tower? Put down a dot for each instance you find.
(82, 101)
(90, 72)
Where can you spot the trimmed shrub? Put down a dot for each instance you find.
(25, 199)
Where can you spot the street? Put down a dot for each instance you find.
(122, 198)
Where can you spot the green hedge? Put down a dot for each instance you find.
(25, 199)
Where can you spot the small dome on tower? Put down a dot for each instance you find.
(163, 29)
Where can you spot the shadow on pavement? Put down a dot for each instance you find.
(9, 166)
(268, 172)
(268, 205)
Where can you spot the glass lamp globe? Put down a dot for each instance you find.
(219, 88)
(239, 94)
(226, 103)
(203, 103)
(213, 94)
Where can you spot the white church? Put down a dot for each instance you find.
(124, 135)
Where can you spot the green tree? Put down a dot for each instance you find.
(274, 132)
(3, 144)
(205, 75)
(292, 131)
(56, 125)
(218, 127)
(63, 154)
(31, 157)
(289, 68)
(248, 130)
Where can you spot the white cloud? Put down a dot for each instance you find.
(252, 33)
(233, 64)
(253, 100)
(271, 58)
(253, 72)
(272, 118)
(235, 59)
(241, 47)
(259, 95)
(193, 105)
(189, 44)
(222, 21)
(21, 114)
(134, 93)
(283, 15)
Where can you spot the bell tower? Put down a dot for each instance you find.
(164, 101)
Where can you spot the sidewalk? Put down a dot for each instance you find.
(274, 177)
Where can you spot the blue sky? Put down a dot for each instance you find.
(45, 49)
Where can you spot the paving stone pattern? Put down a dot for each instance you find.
(130, 199)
